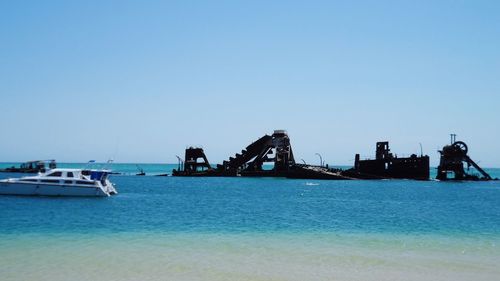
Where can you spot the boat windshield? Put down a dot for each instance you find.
(55, 174)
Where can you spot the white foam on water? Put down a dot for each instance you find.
(300, 257)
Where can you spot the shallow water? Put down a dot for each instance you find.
(249, 256)
(167, 228)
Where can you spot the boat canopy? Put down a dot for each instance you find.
(98, 175)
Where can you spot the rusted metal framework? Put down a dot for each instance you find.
(453, 158)
(388, 166)
(275, 148)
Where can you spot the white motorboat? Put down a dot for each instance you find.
(61, 182)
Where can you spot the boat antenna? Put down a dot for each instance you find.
(108, 163)
(421, 150)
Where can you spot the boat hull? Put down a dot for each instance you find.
(15, 188)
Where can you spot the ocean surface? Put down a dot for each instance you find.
(169, 228)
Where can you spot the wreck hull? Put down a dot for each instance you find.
(388, 166)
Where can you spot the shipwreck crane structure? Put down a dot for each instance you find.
(268, 149)
(453, 158)
(275, 149)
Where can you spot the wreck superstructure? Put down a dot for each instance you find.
(272, 156)
(196, 162)
(451, 164)
(275, 149)
(388, 166)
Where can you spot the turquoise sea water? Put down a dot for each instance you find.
(168, 228)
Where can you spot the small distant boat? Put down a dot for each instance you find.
(32, 167)
(141, 171)
(61, 182)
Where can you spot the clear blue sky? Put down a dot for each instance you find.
(141, 80)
